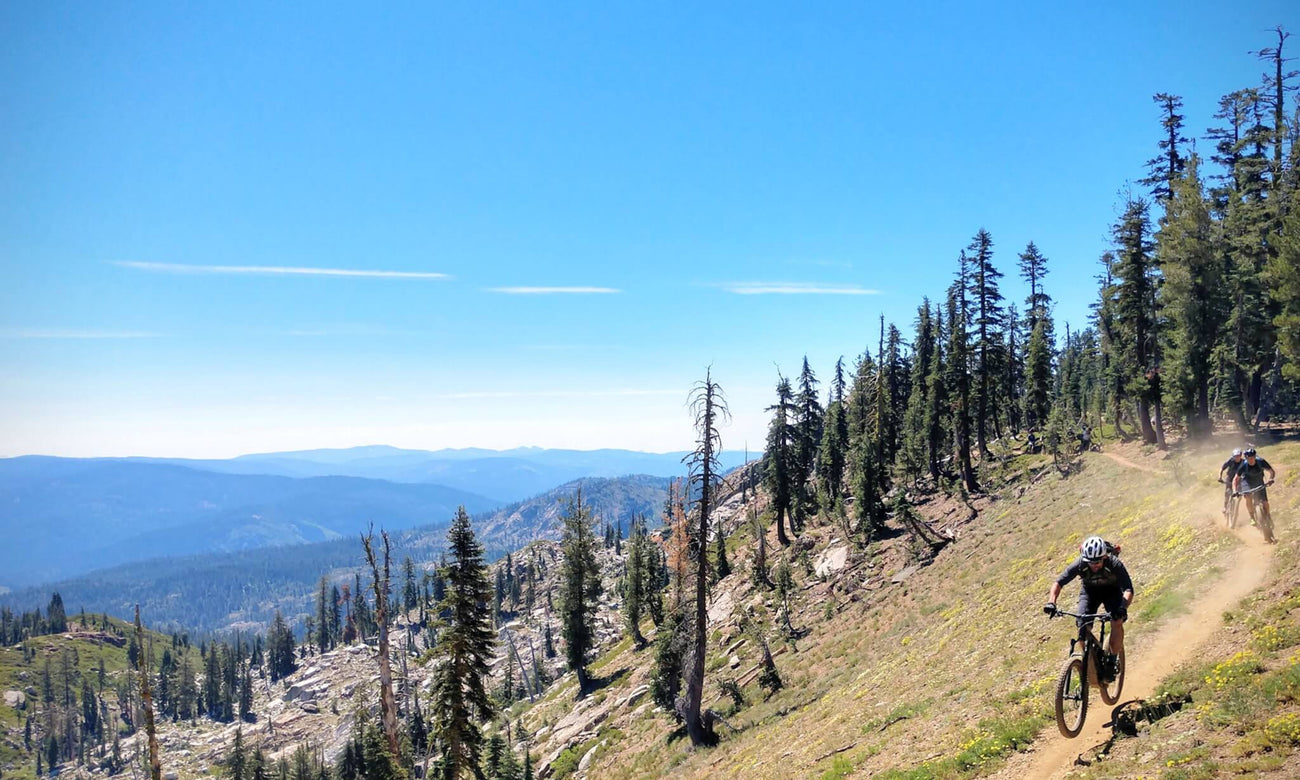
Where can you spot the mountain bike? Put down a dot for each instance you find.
(1260, 514)
(1082, 670)
(1232, 508)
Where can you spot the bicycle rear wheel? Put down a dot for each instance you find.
(1071, 697)
(1110, 691)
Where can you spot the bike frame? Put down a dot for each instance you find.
(1093, 645)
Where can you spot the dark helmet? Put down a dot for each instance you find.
(1250, 452)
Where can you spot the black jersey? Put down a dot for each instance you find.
(1253, 476)
(1231, 464)
(1112, 574)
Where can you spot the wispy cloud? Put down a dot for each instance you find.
(65, 333)
(620, 393)
(275, 270)
(795, 288)
(347, 329)
(568, 347)
(554, 290)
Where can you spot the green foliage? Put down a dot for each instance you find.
(579, 588)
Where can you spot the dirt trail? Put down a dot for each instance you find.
(1176, 642)
(1132, 464)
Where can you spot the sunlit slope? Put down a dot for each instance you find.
(945, 672)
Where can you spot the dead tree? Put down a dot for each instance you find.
(387, 703)
(707, 405)
(146, 700)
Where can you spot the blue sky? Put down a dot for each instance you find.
(735, 186)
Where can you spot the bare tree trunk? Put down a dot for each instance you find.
(707, 405)
(146, 700)
(387, 703)
(528, 687)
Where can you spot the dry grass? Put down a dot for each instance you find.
(944, 674)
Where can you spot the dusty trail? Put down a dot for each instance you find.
(1176, 642)
(1131, 464)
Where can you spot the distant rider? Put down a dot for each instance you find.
(1085, 439)
(1105, 582)
(1250, 475)
(1226, 471)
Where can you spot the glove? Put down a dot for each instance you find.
(1269, 482)
(1050, 610)
(1120, 614)
(1220, 481)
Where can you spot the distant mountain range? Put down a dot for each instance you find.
(61, 517)
(218, 591)
(64, 517)
(503, 475)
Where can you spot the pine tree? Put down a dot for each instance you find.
(1038, 379)
(1192, 296)
(721, 566)
(280, 649)
(1167, 166)
(808, 422)
(56, 617)
(913, 451)
(410, 593)
(579, 589)
(937, 407)
(1134, 271)
(709, 409)
(1284, 272)
(237, 761)
(779, 466)
(1033, 267)
(835, 439)
(957, 380)
(987, 302)
(635, 586)
(463, 653)
(322, 615)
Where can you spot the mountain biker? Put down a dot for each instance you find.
(1251, 472)
(1105, 582)
(1085, 439)
(1228, 469)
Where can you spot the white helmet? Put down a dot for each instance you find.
(1236, 453)
(1093, 548)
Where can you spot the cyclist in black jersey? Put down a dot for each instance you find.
(1250, 475)
(1105, 583)
(1226, 473)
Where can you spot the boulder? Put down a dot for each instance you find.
(832, 560)
(588, 756)
(15, 699)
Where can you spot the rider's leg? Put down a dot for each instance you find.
(1116, 640)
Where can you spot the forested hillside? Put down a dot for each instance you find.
(243, 589)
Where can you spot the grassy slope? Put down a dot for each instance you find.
(15, 674)
(946, 673)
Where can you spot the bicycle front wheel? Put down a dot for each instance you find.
(1234, 504)
(1266, 524)
(1071, 697)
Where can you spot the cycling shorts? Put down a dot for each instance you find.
(1091, 599)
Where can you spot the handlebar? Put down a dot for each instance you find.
(1102, 616)
(1254, 489)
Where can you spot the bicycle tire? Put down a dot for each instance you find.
(1107, 696)
(1071, 685)
(1266, 523)
(1234, 506)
